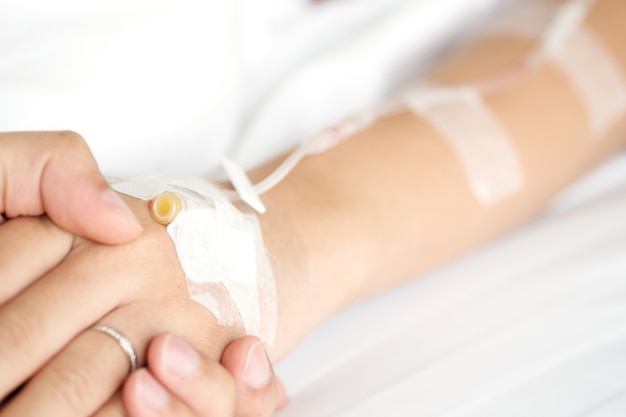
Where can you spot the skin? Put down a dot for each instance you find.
(81, 379)
(367, 215)
(65, 183)
(54, 173)
(375, 213)
(194, 394)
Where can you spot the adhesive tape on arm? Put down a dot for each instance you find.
(221, 251)
(470, 128)
(596, 77)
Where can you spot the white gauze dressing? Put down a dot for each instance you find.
(221, 251)
(480, 141)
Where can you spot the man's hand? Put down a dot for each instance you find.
(181, 382)
(54, 173)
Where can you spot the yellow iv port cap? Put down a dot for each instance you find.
(165, 207)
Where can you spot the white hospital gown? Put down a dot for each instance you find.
(173, 85)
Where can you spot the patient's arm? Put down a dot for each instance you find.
(389, 204)
(394, 201)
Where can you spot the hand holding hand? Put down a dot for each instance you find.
(241, 385)
(68, 185)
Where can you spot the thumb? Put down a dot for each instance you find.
(55, 173)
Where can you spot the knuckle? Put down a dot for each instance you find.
(70, 142)
(17, 334)
(70, 137)
(74, 387)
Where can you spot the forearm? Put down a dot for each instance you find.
(394, 201)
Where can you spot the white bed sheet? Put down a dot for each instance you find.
(532, 325)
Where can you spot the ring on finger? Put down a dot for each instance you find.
(122, 340)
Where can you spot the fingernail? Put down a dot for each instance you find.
(180, 358)
(113, 200)
(151, 393)
(257, 371)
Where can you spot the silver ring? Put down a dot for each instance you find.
(123, 341)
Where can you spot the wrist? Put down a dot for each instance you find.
(304, 231)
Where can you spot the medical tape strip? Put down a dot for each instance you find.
(570, 17)
(221, 251)
(481, 142)
(596, 77)
(239, 179)
(577, 52)
(551, 23)
(526, 20)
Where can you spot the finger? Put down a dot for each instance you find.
(201, 383)
(87, 372)
(147, 393)
(144, 396)
(257, 388)
(29, 247)
(55, 173)
(43, 318)
(77, 382)
(283, 399)
(36, 324)
(113, 407)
